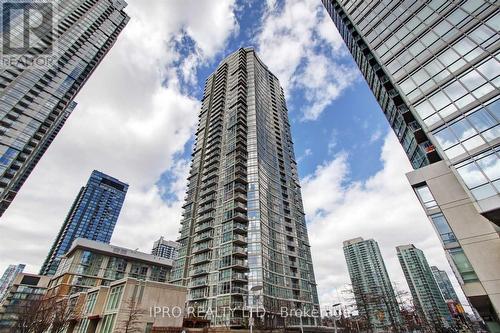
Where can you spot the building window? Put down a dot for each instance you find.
(482, 176)
(463, 265)
(114, 298)
(90, 303)
(425, 197)
(443, 228)
(107, 323)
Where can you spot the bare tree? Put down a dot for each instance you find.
(60, 314)
(31, 315)
(133, 322)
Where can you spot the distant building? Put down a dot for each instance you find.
(8, 276)
(444, 284)
(36, 101)
(111, 308)
(22, 298)
(93, 216)
(165, 248)
(427, 298)
(371, 285)
(91, 264)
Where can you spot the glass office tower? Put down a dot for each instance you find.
(427, 299)
(39, 82)
(434, 68)
(444, 284)
(93, 216)
(372, 288)
(243, 224)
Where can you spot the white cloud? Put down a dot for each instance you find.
(133, 118)
(383, 207)
(301, 45)
(308, 152)
(376, 136)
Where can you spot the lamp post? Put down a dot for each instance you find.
(335, 317)
(252, 290)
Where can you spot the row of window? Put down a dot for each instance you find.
(447, 236)
(470, 131)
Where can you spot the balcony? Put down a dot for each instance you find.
(203, 237)
(198, 284)
(240, 217)
(202, 248)
(239, 277)
(239, 264)
(240, 197)
(207, 199)
(240, 207)
(202, 258)
(239, 251)
(205, 217)
(207, 208)
(240, 227)
(417, 131)
(240, 188)
(239, 239)
(209, 176)
(239, 290)
(204, 227)
(430, 151)
(198, 271)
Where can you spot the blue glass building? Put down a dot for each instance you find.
(93, 216)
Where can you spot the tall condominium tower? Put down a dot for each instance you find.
(40, 77)
(427, 298)
(371, 285)
(165, 248)
(434, 68)
(92, 216)
(8, 276)
(444, 284)
(243, 235)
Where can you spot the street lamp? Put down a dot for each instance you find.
(253, 290)
(335, 317)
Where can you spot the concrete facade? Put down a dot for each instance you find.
(473, 234)
(129, 303)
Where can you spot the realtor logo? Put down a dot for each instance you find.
(26, 26)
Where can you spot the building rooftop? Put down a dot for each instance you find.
(112, 250)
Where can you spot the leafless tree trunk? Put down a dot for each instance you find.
(133, 322)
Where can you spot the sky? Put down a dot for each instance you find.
(136, 118)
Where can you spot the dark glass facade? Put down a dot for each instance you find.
(243, 223)
(93, 216)
(36, 101)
